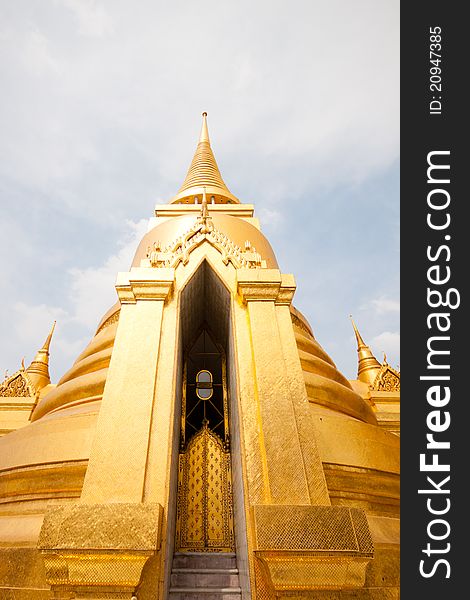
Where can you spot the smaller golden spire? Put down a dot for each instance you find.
(368, 366)
(38, 370)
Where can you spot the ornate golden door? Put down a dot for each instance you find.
(204, 520)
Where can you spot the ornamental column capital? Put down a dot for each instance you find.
(141, 284)
(265, 285)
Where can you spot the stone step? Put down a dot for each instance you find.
(206, 578)
(205, 570)
(204, 560)
(233, 593)
(199, 596)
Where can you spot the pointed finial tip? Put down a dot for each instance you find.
(49, 337)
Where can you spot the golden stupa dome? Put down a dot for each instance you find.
(236, 229)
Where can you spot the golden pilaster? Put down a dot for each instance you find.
(287, 470)
(295, 504)
(103, 542)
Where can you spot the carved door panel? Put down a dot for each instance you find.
(204, 521)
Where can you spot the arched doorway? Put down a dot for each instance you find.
(204, 521)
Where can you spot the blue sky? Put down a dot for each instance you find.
(99, 118)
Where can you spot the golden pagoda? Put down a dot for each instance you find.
(203, 445)
(20, 392)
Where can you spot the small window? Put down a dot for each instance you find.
(204, 385)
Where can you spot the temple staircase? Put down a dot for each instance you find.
(204, 576)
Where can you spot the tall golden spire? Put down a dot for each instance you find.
(204, 171)
(368, 366)
(38, 370)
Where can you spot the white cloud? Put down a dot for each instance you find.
(33, 323)
(269, 217)
(92, 18)
(272, 92)
(385, 305)
(92, 289)
(37, 54)
(90, 295)
(388, 342)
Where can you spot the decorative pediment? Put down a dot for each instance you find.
(17, 385)
(178, 250)
(387, 380)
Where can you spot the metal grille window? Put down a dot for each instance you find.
(204, 399)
